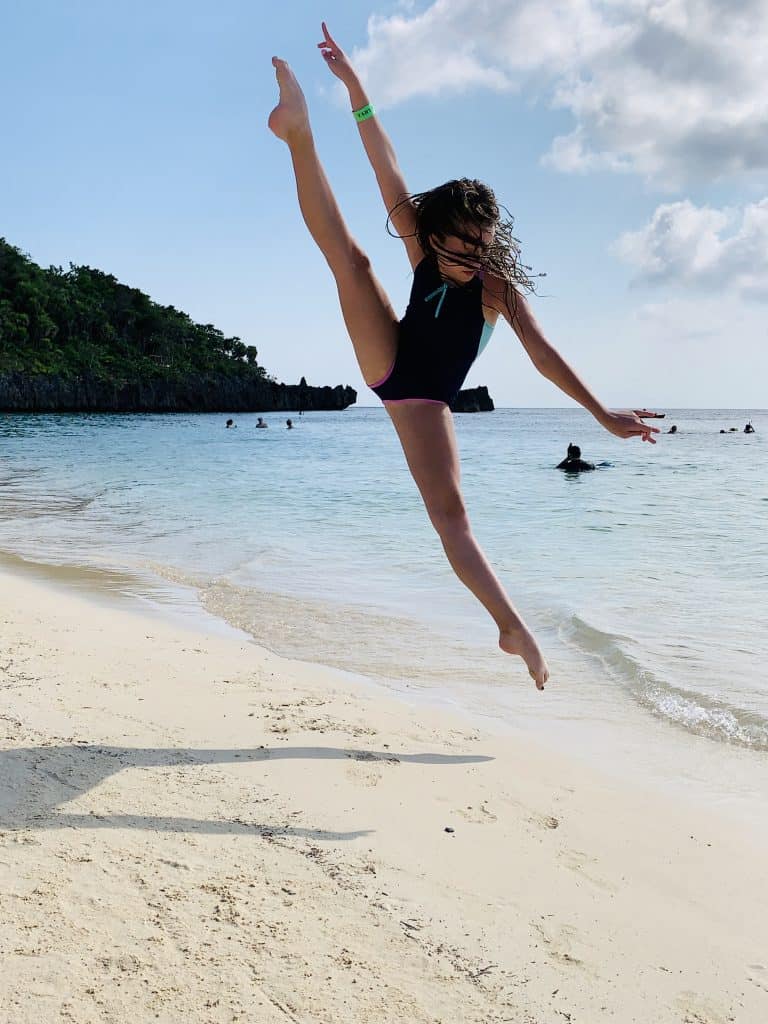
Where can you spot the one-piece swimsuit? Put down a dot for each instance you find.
(439, 338)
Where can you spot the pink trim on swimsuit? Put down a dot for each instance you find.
(386, 376)
(399, 401)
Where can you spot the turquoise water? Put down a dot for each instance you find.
(647, 580)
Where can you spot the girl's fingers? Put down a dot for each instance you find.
(329, 43)
(641, 414)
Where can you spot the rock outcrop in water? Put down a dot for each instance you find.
(198, 393)
(473, 400)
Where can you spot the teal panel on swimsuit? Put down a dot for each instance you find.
(485, 337)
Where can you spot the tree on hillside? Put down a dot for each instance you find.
(82, 321)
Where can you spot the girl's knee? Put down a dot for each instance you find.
(448, 514)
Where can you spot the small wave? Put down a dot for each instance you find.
(41, 507)
(386, 646)
(695, 712)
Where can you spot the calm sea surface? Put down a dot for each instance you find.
(646, 580)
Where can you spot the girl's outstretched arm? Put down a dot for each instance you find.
(549, 362)
(380, 151)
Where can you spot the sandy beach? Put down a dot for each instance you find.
(193, 829)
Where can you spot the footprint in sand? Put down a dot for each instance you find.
(697, 1010)
(545, 821)
(478, 814)
(581, 864)
(364, 768)
(758, 975)
(565, 944)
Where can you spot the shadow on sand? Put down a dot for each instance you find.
(36, 781)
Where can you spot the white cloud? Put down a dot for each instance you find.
(670, 89)
(702, 247)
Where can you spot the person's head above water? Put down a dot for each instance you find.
(460, 224)
(573, 462)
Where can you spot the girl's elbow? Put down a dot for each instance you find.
(544, 364)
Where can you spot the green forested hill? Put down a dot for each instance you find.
(84, 323)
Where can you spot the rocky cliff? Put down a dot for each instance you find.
(25, 393)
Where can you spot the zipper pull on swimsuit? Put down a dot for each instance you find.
(441, 292)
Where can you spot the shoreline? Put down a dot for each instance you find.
(194, 826)
(644, 749)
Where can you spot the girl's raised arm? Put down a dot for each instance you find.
(380, 152)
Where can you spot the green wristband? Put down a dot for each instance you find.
(364, 113)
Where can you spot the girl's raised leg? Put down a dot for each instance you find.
(368, 314)
(429, 443)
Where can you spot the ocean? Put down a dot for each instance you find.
(646, 581)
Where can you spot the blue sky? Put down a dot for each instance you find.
(628, 139)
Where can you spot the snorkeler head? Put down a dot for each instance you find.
(574, 452)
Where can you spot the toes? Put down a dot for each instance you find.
(539, 680)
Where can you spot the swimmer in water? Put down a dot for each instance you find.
(573, 463)
(466, 273)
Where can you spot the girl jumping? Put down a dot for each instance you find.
(466, 272)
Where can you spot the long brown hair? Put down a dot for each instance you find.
(463, 207)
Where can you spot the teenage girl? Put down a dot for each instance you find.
(466, 272)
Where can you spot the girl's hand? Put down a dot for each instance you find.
(335, 58)
(629, 423)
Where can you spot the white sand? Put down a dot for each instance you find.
(194, 830)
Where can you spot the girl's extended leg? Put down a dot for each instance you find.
(368, 314)
(429, 443)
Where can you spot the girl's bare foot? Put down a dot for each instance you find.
(290, 117)
(519, 641)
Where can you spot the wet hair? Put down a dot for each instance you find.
(464, 207)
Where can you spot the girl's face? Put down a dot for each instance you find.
(468, 253)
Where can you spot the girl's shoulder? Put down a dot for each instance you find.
(424, 265)
(496, 296)
(425, 274)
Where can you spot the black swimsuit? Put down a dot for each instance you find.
(440, 336)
